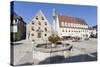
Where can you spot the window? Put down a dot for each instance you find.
(63, 24)
(37, 18)
(39, 23)
(39, 35)
(45, 34)
(32, 34)
(42, 18)
(83, 30)
(45, 23)
(45, 29)
(62, 30)
(66, 24)
(14, 22)
(32, 28)
(32, 22)
(39, 28)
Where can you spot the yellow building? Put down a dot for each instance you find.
(38, 28)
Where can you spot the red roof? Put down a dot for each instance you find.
(71, 19)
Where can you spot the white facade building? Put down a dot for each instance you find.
(38, 28)
(70, 26)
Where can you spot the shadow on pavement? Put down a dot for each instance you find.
(61, 59)
(25, 64)
(16, 43)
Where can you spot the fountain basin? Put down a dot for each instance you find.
(40, 54)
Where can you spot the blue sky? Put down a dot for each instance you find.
(28, 9)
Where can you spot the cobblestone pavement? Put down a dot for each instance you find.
(23, 51)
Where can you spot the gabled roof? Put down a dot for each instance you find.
(70, 19)
(40, 12)
(14, 16)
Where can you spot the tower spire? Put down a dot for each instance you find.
(54, 19)
(53, 12)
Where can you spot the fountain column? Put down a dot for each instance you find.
(54, 19)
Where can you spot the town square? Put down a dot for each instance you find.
(52, 33)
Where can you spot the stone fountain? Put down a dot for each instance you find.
(44, 51)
